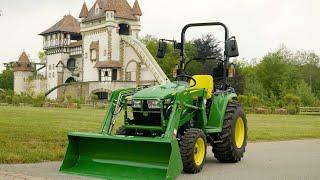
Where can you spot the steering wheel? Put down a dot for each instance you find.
(188, 78)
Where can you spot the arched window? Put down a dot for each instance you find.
(124, 29)
(102, 95)
(70, 80)
(71, 64)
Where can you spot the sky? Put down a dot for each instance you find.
(261, 26)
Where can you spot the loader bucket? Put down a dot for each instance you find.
(122, 157)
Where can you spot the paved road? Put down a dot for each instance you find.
(287, 160)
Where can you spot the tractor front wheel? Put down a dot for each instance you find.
(229, 146)
(193, 147)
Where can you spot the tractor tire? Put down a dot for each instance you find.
(232, 141)
(193, 148)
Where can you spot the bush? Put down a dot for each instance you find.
(39, 100)
(243, 99)
(292, 109)
(254, 101)
(94, 98)
(292, 103)
(16, 100)
(2, 98)
(9, 99)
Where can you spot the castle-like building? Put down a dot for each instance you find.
(97, 53)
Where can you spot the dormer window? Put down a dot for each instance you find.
(93, 54)
(94, 51)
(97, 9)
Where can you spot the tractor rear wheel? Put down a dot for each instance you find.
(193, 148)
(232, 141)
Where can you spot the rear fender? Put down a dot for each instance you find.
(218, 109)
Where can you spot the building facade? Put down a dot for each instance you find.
(99, 51)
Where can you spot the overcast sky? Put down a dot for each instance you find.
(259, 25)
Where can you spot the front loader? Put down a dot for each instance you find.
(156, 132)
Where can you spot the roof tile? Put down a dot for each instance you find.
(67, 24)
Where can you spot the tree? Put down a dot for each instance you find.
(42, 56)
(6, 79)
(205, 47)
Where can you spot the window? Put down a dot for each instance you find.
(102, 95)
(53, 75)
(106, 73)
(124, 29)
(114, 74)
(71, 64)
(49, 67)
(105, 52)
(70, 80)
(97, 9)
(86, 55)
(49, 75)
(93, 55)
(52, 66)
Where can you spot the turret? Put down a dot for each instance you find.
(84, 11)
(136, 27)
(23, 71)
(58, 40)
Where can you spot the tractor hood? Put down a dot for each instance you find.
(161, 91)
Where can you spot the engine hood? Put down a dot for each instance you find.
(160, 92)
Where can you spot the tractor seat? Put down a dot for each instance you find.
(204, 81)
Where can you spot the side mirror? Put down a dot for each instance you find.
(162, 49)
(232, 47)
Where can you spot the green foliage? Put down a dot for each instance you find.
(303, 90)
(42, 56)
(280, 75)
(39, 100)
(206, 46)
(292, 102)
(6, 80)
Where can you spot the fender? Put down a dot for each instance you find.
(218, 109)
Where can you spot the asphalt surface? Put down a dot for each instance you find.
(286, 160)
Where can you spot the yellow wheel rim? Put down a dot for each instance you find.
(239, 133)
(199, 151)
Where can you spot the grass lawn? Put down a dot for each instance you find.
(40, 134)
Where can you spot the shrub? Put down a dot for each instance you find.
(94, 98)
(292, 102)
(16, 100)
(39, 100)
(9, 99)
(292, 109)
(254, 101)
(2, 97)
(243, 99)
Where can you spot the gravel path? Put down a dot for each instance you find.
(286, 160)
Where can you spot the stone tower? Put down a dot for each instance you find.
(23, 72)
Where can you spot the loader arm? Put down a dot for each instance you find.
(115, 103)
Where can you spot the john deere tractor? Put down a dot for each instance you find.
(156, 132)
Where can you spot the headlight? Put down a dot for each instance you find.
(136, 103)
(154, 104)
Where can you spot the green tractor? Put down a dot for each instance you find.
(164, 129)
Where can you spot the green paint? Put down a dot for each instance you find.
(108, 156)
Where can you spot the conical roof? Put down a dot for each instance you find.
(84, 11)
(136, 9)
(67, 24)
(24, 57)
(23, 64)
